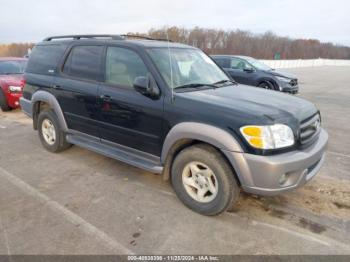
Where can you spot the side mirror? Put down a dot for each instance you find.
(146, 85)
(249, 70)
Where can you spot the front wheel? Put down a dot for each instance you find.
(203, 180)
(267, 85)
(3, 103)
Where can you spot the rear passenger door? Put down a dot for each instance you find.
(77, 87)
(128, 118)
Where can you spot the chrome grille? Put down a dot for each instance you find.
(310, 128)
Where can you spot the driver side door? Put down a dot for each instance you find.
(238, 69)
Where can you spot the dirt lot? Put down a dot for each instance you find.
(78, 202)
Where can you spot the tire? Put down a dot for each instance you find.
(51, 136)
(203, 157)
(267, 85)
(3, 103)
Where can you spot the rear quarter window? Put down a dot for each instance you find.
(44, 59)
(223, 62)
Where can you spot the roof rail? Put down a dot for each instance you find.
(78, 37)
(145, 37)
(113, 37)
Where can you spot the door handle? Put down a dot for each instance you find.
(106, 98)
(56, 86)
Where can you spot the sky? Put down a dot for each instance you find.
(31, 21)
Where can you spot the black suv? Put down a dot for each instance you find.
(249, 71)
(169, 109)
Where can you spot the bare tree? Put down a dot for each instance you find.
(217, 41)
(263, 46)
(17, 50)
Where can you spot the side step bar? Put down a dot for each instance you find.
(116, 152)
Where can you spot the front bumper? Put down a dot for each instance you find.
(13, 99)
(290, 89)
(264, 175)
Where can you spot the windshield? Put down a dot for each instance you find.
(257, 64)
(180, 66)
(12, 67)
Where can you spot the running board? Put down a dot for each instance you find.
(117, 152)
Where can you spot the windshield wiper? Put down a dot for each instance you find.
(194, 85)
(225, 81)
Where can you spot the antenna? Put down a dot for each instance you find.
(171, 70)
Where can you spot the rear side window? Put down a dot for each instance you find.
(44, 59)
(85, 62)
(223, 62)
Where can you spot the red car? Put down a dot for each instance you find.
(11, 81)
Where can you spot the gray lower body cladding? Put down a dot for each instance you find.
(271, 175)
(26, 106)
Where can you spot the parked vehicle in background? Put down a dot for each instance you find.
(11, 81)
(169, 109)
(249, 71)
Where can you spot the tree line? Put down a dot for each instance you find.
(262, 46)
(17, 50)
(216, 41)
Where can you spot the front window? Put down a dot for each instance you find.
(257, 64)
(123, 66)
(182, 66)
(12, 67)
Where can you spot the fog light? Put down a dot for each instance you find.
(16, 103)
(283, 179)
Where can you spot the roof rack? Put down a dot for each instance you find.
(145, 37)
(113, 37)
(78, 37)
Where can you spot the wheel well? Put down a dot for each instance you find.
(37, 108)
(262, 81)
(2, 91)
(3, 100)
(182, 144)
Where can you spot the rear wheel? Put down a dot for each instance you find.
(3, 103)
(50, 134)
(203, 180)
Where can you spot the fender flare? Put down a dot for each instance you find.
(43, 96)
(202, 132)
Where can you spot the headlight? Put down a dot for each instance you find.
(268, 137)
(283, 79)
(15, 88)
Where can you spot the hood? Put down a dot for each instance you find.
(261, 104)
(15, 80)
(281, 73)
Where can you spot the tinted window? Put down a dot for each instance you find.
(85, 62)
(44, 58)
(123, 66)
(12, 67)
(223, 62)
